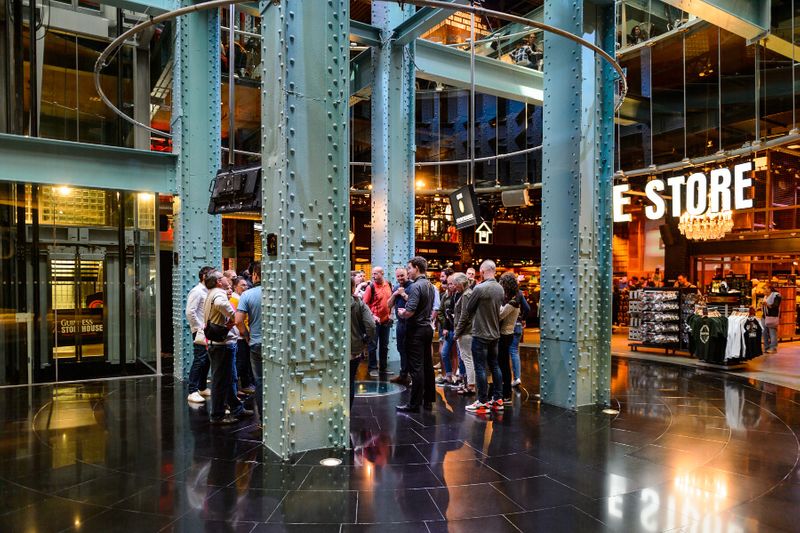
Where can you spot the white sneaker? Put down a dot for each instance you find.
(477, 407)
(516, 382)
(195, 397)
(205, 393)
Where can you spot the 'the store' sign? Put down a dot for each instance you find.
(697, 194)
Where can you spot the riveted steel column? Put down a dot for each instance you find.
(576, 226)
(196, 128)
(392, 216)
(306, 207)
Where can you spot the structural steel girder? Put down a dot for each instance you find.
(197, 138)
(85, 165)
(745, 18)
(576, 208)
(364, 34)
(392, 198)
(749, 19)
(305, 155)
(420, 22)
(436, 62)
(151, 7)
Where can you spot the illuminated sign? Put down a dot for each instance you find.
(464, 203)
(721, 190)
(484, 232)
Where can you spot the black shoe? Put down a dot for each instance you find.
(405, 408)
(428, 406)
(224, 421)
(244, 413)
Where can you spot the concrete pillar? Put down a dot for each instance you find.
(306, 263)
(196, 130)
(576, 209)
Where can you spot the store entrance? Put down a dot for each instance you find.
(77, 313)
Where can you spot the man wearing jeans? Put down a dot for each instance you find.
(198, 374)
(218, 310)
(397, 302)
(249, 307)
(483, 312)
(376, 296)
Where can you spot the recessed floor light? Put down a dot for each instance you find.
(610, 412)
(331, 461)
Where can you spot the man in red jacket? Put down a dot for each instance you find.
(376, 296)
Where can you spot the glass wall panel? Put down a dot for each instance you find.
(633, 123)
(737, 85)
(59, 104)
(667, 100)
(776, 95)
(454, 124)
(701, 47)
(511, 129)
(534, 136)
(485, 139)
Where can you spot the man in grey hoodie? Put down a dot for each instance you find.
(483, 312)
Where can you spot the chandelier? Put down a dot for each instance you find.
(705, 227)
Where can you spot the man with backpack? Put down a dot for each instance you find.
(376, 296)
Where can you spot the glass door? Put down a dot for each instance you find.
(78, 321)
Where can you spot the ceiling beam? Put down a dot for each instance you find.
(421, 22)
(436, 62)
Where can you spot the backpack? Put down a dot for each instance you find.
(216, 332)
(371, 288)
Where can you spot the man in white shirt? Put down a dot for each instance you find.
(198, 374)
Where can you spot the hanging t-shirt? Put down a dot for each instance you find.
(734, 348)
(709, 336)
(752, 338)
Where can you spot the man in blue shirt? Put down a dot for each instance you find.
(249, 308)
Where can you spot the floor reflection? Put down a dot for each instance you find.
(689, 450)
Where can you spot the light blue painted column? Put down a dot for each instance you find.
(392, 216)
(196, 129)
(576, 210)
(305, 153)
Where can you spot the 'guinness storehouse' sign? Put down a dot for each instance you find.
(720, 190)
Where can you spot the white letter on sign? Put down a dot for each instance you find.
(740, 183)
(696, 191)
(720, 186)
(620, 201)
(655, 211)
(676, 183)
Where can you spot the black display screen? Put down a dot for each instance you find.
(464, 203)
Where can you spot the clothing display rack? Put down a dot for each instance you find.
(726, 337)
(658, 318)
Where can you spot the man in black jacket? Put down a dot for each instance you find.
(419, 335)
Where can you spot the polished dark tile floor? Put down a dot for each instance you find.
(689, 451)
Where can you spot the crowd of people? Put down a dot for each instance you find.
(478, 319)
(479, 326)
(224, 314)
